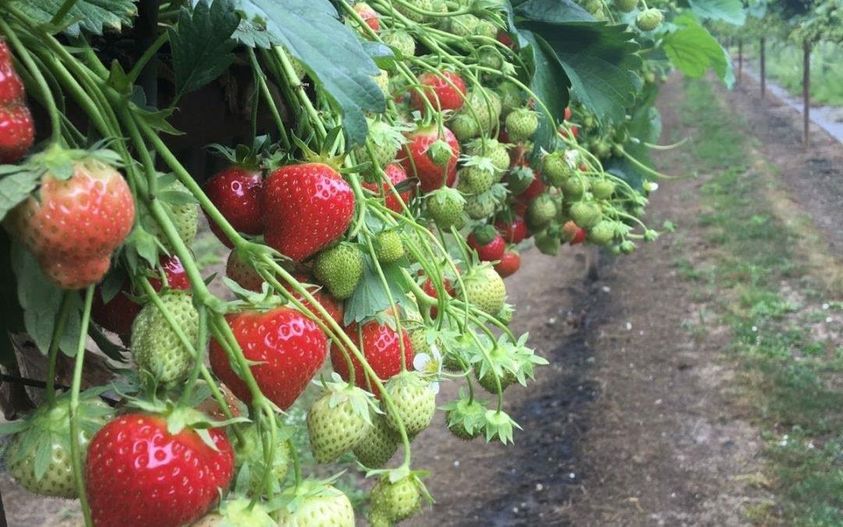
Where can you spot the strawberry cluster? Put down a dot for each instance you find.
(17, 131)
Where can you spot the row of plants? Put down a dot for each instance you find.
(379, 167)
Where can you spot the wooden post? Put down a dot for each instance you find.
(740, 60)
(806, 91)
(763, 59)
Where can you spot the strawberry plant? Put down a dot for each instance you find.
(404, 155)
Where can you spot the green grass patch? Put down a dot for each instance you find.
(793, 377)
(784, 64)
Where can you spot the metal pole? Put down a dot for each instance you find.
(763, 57)
(806, 90)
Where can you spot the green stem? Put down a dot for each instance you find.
(267, 95)
(55, 340)
(148, 55)
(75, 447)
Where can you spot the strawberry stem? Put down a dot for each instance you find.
(76, 386)
(52, 354)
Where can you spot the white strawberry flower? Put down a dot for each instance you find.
(430, 365)
(651, 186)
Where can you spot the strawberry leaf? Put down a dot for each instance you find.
(370, 297)
(16, 188)
(202, 44)
(93, 16)
(329, 50)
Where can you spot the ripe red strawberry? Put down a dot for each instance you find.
(17, 133)
(396, 175)
(73, 225)
(573, 232)
(444, 90)
(514, 231)
(430, 289)
(139, 473)
(306, 207)
(369, 15)
(510, 262)
(242, 273)
(118, 314)
(287, 347)
(382, 349)
(419, 162)
(488, 243)
(238, 194)
(505, 39)
(11, 87)
(533, 191)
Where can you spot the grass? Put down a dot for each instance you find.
(792, 377)
(784, 65)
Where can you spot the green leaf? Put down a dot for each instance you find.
(16, 188)
(370, 298)
(599, 60)
(549, 83)
(329, 50)
(553, 11)
(729, 11)
(93, 16)
(41, 300)
(202, 45)
(692, 50)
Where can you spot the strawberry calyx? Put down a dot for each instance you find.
(180, 418)
(484, 234)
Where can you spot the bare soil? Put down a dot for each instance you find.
(637, 421)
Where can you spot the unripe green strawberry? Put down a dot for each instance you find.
(511, 96)
(480, 206)
(574, 187)
(249, 452)
(378, 520)
(489, 383)
(520, 178)
(316, 504)
(38, 455)
(418, 338)
(424, 5)
(464, 127)
(521, 124)
(486, 29)
(156, 347)
(649, 19)
(464, 418)
(378, 445)
(414, 400)
(389, 247)
(338, 421)
(540, 212)
(238, 511)
(476, 179)
(484, 106)
(400, 41)
(485, 289)
(385, 141)
(602, 189)
(625, 6)
(396, 501)
(602, 234)
(555, 168)
(185, 217)
(382, 80)
(446, 206)
(463, 25)
(491, 149)
(601, 149)
(340, 269)
(490, 58)
(548, 241)
(586, 214)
